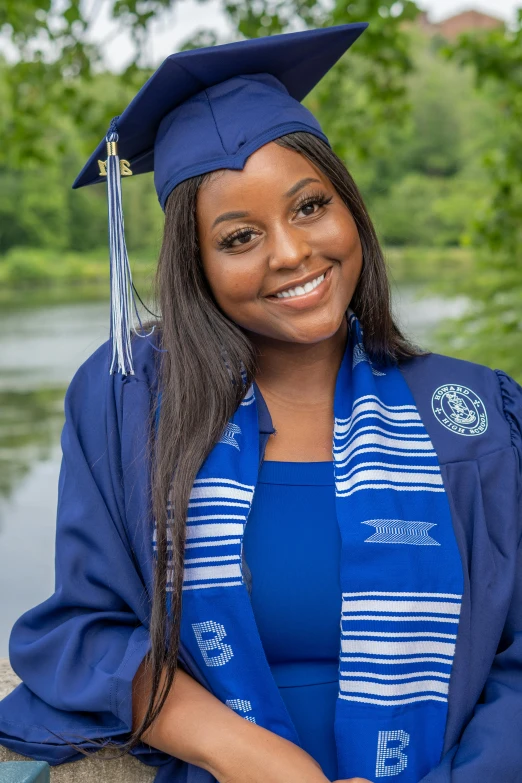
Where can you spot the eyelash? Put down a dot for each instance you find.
(320, 199)
(312, 198)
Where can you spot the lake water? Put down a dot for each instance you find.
(40, 349)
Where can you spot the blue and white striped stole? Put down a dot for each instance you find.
(401, 577)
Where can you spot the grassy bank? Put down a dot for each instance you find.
(431, 265)
(29, 275)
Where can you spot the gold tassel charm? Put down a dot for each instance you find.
(112, 151)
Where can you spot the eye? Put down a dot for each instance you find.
(310, 204)
(241, 237)
(309, 208)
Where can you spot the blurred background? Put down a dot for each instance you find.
(426, 111)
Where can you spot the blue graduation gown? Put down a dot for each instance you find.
(78, 651)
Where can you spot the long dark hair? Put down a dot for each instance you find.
(200, 392)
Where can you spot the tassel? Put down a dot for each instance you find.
(122, 298)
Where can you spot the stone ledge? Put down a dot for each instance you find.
(97, 769)
(24, 772)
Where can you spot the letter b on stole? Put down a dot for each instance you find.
(390, 746)
(214, 633)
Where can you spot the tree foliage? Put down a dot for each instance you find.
(426, 181)
(55, 58)
(492, 329)
(58, 102)
(60, 30)
(410, 149)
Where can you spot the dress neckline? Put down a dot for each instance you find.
(296, 473)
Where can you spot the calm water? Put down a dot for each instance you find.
(40, 349)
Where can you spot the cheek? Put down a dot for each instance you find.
(232, 283)
(343, 242)
(335, 235)
(341, 237)
(349, 244)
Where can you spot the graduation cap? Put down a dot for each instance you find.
(203, 110)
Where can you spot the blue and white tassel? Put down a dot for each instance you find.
(122, 299)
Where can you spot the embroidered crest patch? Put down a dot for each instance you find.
(459, 409)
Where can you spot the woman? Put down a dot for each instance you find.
(381, 484)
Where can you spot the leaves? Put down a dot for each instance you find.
(68, 26)
(492, 330)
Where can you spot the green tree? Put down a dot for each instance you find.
(38, 208)
(424, 187)
(62, 32)
(55, 57)
(491, 331)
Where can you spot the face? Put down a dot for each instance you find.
(279, 247)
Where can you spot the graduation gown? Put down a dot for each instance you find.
(78, 651)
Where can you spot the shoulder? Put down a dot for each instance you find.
(94, 391)
(436, 366)
(468, 409)
(96, 368)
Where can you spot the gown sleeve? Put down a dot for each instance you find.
(78, 651)
(490, 747)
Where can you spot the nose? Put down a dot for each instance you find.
(290, 247)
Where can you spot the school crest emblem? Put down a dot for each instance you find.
(459, 409)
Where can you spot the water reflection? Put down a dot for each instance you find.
(30, 422)
(43, 346)
(40, 349)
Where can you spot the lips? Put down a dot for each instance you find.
(299, 283)
(307, 300)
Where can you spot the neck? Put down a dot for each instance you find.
(300, 375)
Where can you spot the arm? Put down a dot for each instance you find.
(197, 727)
(77, 652)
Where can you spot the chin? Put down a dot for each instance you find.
(313, 333)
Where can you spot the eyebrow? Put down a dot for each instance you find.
(298, 185)
(239, 215)
(229, 216)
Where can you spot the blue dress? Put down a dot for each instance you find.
(292, 545)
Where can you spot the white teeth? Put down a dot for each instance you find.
(300, 289)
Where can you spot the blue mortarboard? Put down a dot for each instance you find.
(203, 110)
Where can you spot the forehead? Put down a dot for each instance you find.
(270, 168)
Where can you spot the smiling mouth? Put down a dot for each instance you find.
(301, 290)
